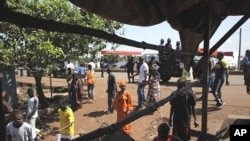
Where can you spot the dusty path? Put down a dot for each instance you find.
(92, 116)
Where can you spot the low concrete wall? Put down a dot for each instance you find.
(234, 72)
(231, 72)
(223, 133)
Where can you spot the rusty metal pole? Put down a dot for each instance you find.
(205, 76)
(239, 53)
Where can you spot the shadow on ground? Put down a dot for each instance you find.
(95, 114)
(208, 137)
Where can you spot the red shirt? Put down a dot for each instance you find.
(170, 138)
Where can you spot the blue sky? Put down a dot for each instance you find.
(153, 34)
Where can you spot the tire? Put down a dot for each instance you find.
(165, 78)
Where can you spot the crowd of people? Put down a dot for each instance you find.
(182, 107)
(18, 126)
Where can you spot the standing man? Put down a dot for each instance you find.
(90, 82)
(111, 91)
(82, 70)
(67, 121)
(32, 109)
(221, 72)
(18, 130)
(130, 68)
(181, 108)
(143, 78)
(168, 44)
(178, 46)
(161, 43)
(102, 67)
(71, 66)
(150, 64)
(123, 105)
(246, 70)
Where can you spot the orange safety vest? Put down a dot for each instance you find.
(90, 77)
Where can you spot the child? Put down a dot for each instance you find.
(163, 133)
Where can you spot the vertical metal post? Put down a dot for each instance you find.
(50, 81)
(205, 76)
(239, 51)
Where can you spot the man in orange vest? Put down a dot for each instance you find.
(90, 82)
(123, 105)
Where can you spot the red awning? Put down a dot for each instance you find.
(118, 52)
(200, 50)
(229, 53)
(226, 53)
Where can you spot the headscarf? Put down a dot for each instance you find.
(122, 84)
(154, 67)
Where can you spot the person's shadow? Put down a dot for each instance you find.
(95, 114)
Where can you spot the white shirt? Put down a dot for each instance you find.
(23, 133)
(187, 75)
(31, 105)
(71, 66)
(143, 69)
(92, 64)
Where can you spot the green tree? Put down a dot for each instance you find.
(40, 48)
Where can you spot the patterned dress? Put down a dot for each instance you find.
(153, 89)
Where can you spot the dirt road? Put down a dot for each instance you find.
(92, 116)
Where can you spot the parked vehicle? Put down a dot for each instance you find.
(58, 69)
(30, 71)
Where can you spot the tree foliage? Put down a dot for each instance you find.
(33, 47)
(72, 45)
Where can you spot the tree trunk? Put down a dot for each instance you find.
(39, 88)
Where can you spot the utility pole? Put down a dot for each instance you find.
(239, 50)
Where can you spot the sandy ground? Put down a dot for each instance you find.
(92, 115)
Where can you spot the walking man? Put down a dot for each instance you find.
(32, 109)
(67, 121)
(111, 91)
(181, 108)
(18, 130)
(221, 73)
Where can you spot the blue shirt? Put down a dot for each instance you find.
(246, 60)
(82, 70)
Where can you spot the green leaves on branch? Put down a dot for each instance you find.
(38, 47)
